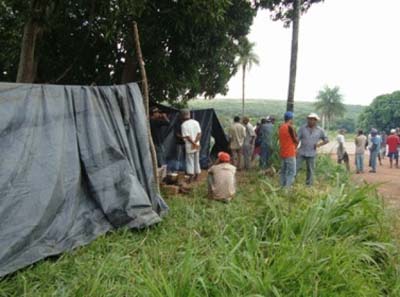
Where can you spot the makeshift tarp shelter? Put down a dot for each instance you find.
(74, 164)
(211, 130)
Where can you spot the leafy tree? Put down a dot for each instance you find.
(189, 47)
(247, 57)
(330, 104)
(383, 113)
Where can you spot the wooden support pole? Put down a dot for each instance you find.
(146, 102)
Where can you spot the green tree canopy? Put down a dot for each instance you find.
(189, 47)
(330, 104)
(383, 113)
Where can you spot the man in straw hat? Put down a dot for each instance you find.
(311, 137)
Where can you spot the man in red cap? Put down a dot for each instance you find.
(221, 179)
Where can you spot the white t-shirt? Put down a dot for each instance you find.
(340, 139)
(190, 128)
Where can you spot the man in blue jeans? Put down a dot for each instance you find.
(311, 137)
(374, 148)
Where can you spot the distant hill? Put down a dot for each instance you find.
(257, 109)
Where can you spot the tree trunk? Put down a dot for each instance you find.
(130, 66)
(243, 86)
(293, 57)
(145, 90)
(27, 61)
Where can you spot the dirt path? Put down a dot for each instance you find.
(387, 178)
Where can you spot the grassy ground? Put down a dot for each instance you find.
(330, 240)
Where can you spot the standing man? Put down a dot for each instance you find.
(375, 149)
(342, 155)
(361, 144)
(311, 137)
(266, 131)
(288, 143)
(248, 144)
(383, 145)
(237, 133)
(393, 142)
(191, 134)
(157, 121)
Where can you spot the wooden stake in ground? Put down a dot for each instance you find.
(145, 90)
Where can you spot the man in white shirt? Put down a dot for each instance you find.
(221, 179)
(237, 133)
(191, 134)
(341, 150)
(248, 144)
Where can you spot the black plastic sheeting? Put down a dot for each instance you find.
(211, 128)
(74, 164)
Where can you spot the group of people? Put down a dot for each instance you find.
(379, 145)
(295, 149)
(189, 133)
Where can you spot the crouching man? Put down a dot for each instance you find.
(221, 179)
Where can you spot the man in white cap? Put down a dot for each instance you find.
(311, 137)
(393, 142)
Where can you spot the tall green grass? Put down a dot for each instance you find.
(330, 240)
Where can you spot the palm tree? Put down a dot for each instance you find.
(247, 58)
(293, 55)
(330, 104)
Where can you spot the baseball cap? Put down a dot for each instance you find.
(224, 157)
(313, 116)
(393, 131)
(288, 115)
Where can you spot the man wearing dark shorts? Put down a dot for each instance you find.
(393, 142)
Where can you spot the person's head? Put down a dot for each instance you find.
(224, 157)
(155, 112)
(374, 132)
(312, 119)
(185, 114)
(272, 119)
(268, 119)
(342, 131)
(288, 116)
(360, 132)
(245, 120)
(236, 119)
(393, 131)
(263, 121)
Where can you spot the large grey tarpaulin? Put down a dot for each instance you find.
(74, 164)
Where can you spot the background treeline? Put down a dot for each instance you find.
(190, 47)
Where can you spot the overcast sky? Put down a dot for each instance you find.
(354, 44)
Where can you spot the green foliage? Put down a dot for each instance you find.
(383, 113)
(331, 240)
(283, 9)
(189, 46)
(246, 54)
(330, 104)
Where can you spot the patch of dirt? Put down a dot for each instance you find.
(388, 179)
